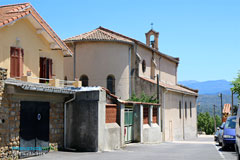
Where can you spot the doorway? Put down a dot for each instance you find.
(34, 128)
(128, 125)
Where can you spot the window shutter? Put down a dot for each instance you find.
(50, 68)
(20, 58)
(12, 61)
(42, 69)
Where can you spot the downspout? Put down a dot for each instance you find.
(163, 115)
(65, 119)
(129, 65)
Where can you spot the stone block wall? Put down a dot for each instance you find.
(56, 119)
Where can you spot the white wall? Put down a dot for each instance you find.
(177, 128)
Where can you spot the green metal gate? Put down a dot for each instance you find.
(128, 125)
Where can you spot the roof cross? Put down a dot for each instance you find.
(152, 25)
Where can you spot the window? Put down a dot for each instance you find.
(16, 62)
(185, 109)
(143, 66)
(180, 109)
(84, 80)
(145, 115)
(111, 84)
(45, 69)
(155, 114)
(191, 109)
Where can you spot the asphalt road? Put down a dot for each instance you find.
(202, 148)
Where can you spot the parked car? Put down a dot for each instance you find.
(229, 134)
(220, 133)
(237, 145)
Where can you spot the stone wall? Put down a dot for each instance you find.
(56, 126)
(9, 122)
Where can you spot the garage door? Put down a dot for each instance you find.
(34, 128)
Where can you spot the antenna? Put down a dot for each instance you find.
(152, 25)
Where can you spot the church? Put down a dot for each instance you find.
(126, 67)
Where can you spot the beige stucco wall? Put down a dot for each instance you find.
(146, 55)
(164, 67)
(168, 71)
(34, 45)
(97, 60)
(177, 128)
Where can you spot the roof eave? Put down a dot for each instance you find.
(71, 41)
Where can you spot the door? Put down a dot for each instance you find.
(128, 125)
(34, 128)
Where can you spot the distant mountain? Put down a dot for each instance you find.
(209, 87)
(208, 94)
(206, 102)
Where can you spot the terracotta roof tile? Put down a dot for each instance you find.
(9, 13)
(98, 35)
(104, 34)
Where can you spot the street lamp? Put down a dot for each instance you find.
(220, 95)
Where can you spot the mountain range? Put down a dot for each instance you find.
(209, 87)
(208, 94)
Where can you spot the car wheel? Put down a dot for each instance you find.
(220, 143)
(237, 151)
(223, 146)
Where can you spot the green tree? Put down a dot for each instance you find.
(236, 85)
(206, 123)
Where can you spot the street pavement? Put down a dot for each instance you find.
(202, 148)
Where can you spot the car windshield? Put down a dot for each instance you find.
(231, 123)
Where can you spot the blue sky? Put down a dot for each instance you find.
(205, 34)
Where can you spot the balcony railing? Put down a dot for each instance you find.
(51, 82)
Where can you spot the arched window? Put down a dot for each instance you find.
(84, 80)
(143, 66)
(111, 83)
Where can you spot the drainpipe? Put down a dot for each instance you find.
(129, 65)
(163, 114)
(65, 119)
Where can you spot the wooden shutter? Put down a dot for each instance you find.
(43, 68)
(20, 59)
(16, 62)
(50, 68)
(12, 62)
